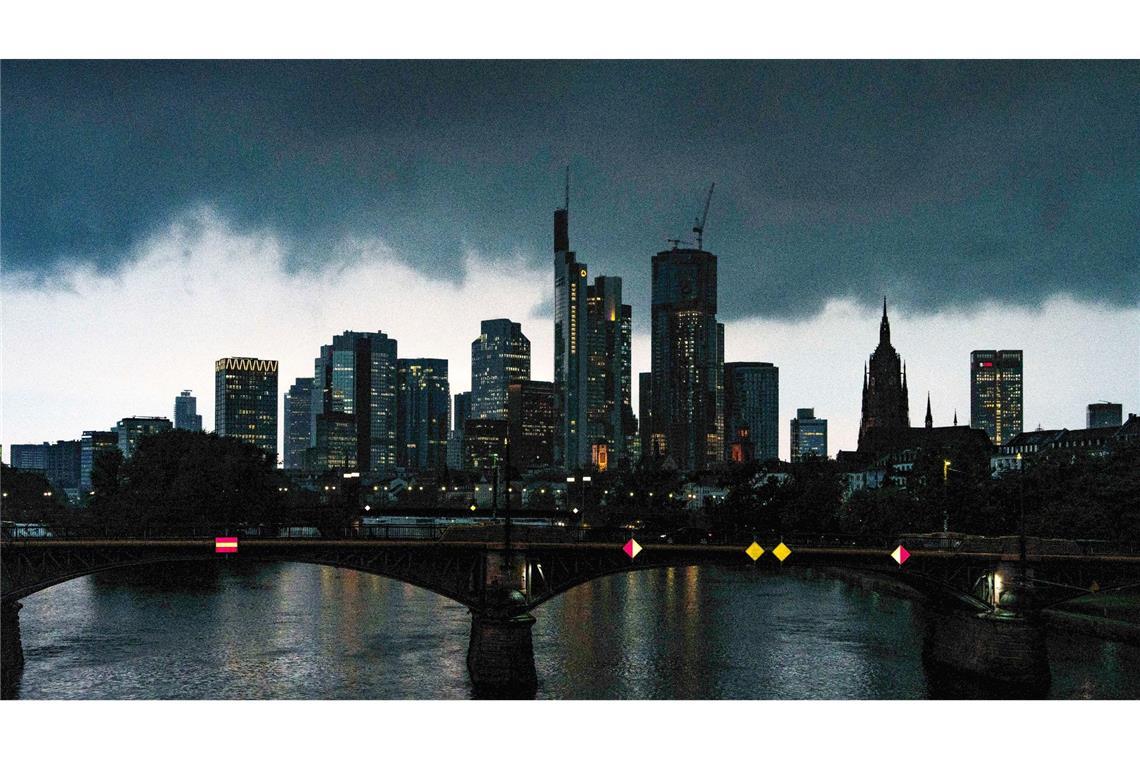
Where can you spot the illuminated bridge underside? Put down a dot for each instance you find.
(463, 571)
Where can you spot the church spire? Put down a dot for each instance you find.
(929, 416)
(904, 376)
(955, 418)
(884, 327)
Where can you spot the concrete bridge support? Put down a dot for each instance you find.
(11, 649)
(1004, 646)
(500, 654)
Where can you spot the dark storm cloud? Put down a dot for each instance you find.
(940, 184)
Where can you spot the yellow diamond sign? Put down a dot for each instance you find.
(781, 552)
(754, 551)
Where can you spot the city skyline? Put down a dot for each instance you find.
(213, 277)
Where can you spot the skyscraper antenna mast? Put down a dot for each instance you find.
(567, 201)
(699, 224)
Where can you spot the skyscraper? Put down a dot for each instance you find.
(186, 415)
(245, 401)
(809, 436)
(1104, 414)
(886, 409)
(649, 451)
(609, 418)
(995, 393)
(298, 423)
(354, 403)
(571, 443)
(422, 411)
(455, 441)
(499, 356)
(688, 359)
(531, 417)
(751, 411)
(130, 430)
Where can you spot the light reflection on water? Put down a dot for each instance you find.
(207, 631)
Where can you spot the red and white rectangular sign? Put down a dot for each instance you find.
(225, 545)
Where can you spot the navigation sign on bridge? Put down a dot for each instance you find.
(225, 545)
(631, 548)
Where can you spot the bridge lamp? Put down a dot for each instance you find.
(367, 508)
(47, 493)
(570, 479)
(586, 478)
(472, 507)
(574, 510)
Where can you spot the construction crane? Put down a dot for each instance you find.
(699, 224)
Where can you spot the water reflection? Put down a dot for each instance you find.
(245, 630)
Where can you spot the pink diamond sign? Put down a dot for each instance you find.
(631, 548)
(900, 554)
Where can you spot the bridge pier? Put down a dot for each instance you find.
(500, 654)
(1005, 646)
(11, 649)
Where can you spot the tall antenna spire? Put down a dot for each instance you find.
(567, 203)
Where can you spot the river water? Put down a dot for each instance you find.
(289, 631)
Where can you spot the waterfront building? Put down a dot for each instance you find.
(571, 371)
(245, 401)
(484, 443)
(609, 416)
(462, 413)
(91, 445)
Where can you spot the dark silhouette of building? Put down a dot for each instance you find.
(423, 411)
(996, 393)
(531, 416)
(245, 401)
(650, 450)
(130, 430)
(484, 443)
(91, 445)
(1104, 414)
(808, 436)
(460, 416)
(751, 411)
(298, 423)
(886, 412)
(186, 415)
(354, 398)
(30, 457)
(687, 360)
(499, 356)
(60, 463)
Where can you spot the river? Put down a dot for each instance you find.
(295, 631)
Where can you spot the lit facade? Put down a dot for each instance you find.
(91, 445)
(808, 436)
(499, 356)
(245, 401)
(609, 417)
(571, 372)
(423, 412)
(688, 360)
(531, 417)
(996, 393)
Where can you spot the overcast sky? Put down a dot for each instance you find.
(157, 216)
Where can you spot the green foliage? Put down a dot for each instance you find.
(182, 478)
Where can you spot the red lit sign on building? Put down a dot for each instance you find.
(985, 364)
